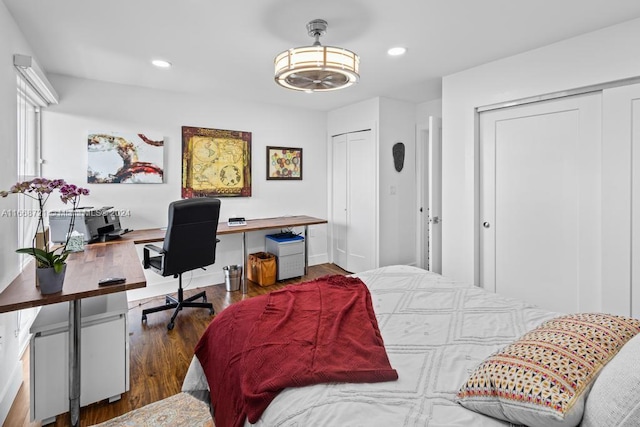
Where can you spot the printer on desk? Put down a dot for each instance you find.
(97, 225)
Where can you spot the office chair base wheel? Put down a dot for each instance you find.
(170, 326)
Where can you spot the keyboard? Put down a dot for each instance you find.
(234, 222)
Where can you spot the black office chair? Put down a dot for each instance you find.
(190, 243)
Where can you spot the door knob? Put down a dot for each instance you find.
(486, 224)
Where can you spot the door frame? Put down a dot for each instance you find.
(423, 190)
(422, 194)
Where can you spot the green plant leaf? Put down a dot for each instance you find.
(46, 258)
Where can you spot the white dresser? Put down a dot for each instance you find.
(104, 349)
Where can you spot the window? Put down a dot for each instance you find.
(28, 161)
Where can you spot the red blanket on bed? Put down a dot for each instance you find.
(315, 332)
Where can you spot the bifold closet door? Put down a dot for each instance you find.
(621, 201)
(354, 201)
(540, 220)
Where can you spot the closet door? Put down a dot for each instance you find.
(540, 202)
(354, 192)
(361, 202)
(621, 201)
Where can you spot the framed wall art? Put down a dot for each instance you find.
(124, 158)
(284, 163)
(215, 162)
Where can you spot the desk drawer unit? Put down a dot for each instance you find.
(289, 252)
(104, 353)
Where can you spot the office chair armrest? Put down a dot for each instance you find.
(155, 248)
(145, 250)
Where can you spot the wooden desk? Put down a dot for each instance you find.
(152, 235)
(157, 234)
(84, 269)
(117, 258)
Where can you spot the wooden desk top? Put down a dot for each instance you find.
(153, 235)
(116, 258)
(84, 269)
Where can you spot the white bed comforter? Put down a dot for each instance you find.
(436, 332)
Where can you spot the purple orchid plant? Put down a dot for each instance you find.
(40, 189)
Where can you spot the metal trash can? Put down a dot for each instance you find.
(232, 277)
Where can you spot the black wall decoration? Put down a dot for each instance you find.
(398, 155)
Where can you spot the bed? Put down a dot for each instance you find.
(437, 333)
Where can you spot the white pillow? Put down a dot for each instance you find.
(614, 399)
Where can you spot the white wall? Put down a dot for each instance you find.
(94, 106)
(351, 118)
(11, 42)
(426, 109)
(601, 56)
(398, 204)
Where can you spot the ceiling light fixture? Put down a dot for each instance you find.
(317, 68)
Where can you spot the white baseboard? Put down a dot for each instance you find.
(319, 259)
(10, 391)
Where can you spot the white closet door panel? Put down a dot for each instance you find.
(361, 202)
(620, 201)
(540, 197)
(339, 198)
(635, 207)
(536, 207)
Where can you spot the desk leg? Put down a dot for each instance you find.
(306, 249)
(74, 361)
(244, 286)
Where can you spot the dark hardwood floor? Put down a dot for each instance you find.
(159, 358)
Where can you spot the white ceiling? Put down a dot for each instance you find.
(226, 49)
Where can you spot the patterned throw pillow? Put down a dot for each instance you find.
(543, 378)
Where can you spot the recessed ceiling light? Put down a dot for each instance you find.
(396, 51)
(161, 64)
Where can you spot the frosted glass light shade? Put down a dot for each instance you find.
(317, 68)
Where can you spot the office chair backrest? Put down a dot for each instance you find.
(190, 241)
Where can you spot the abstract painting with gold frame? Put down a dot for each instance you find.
(215, 162)
(284, 163)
